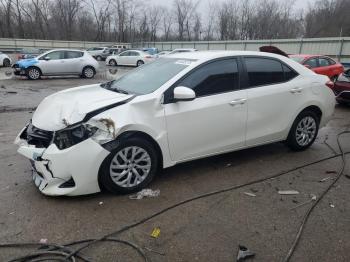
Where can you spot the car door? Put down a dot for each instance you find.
(274, 95)
(53, 63)
(133, 58)
(215, 121)
(73, 62)
(311, 63)
(122, 58)
(324, 67)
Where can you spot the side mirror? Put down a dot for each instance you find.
(182, 93)
(47, 58)
(308, 66)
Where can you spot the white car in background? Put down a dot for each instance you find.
(5, 60)
(57, 62)
(181, 107)
(130, 58)
(182, 50)
(98, 52)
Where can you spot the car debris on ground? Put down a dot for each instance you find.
(244, 253)
(145, 193)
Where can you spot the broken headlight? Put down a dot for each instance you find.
(71, 136)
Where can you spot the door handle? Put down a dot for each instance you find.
(296, 90)
(239, 101)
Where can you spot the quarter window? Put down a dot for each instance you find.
(263, 71)
(323, 62)
(288, 73)
(216, 77)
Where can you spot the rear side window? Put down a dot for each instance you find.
(73, 54)
(263, 71)
(331, 61)
(213, 78)
(323, 62)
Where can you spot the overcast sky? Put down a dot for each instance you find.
(203, 4)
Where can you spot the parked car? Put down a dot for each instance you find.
(163, 53)
(120, 48)
(5, 60)
(130, 58)
(150, 50)
(26, 53)
(119, 134)
(342, 88)
(322, 65)
(58, 62)
(109, 51)
(97, 52)
(182, 50)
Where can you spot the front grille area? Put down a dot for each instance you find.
(37, 137)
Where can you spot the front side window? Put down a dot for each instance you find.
(125, 54)
(263, 71)
(311, 62)
(55, 55)
(149, 77)
(213, 78)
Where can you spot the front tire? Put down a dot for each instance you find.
(130, 167)
(112, 62)
(303, 131)
(33, 73)
(6, 62)
(88, 72)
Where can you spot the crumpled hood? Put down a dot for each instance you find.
(24, 63)
(70, 106)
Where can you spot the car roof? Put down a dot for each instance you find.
(208, 55)
(65, 49)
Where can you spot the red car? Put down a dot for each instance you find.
(341, 88)
(322, 65)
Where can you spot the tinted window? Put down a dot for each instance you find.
(216, 77)
(311, 62)
(73, 54)
(288, 73)
(133, 53)
(125, 54)
(323, 62)
(331, 61)
(263, 71)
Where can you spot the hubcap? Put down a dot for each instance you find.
(33, 73)
(89, 72)
(130, 166)
(306, 131)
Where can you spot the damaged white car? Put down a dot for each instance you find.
(119, 134)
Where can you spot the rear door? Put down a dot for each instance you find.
(73, 61)
(274, 94)
(213, 122)
(324, 67)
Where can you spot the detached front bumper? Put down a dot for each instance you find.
(72, 171)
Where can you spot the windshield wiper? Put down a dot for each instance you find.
(108, 86)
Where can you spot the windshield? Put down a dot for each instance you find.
(298, 59)
(149, 77)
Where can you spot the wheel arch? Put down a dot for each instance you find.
(109, 146)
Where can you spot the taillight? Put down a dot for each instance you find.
(330, 84)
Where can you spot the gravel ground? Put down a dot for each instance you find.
(208, 229)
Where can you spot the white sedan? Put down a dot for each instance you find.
(180, 107)
(5, 60)
(57, 63)
(130, 58)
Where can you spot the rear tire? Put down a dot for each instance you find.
(88, 72)
(6, 62)
(303, 131)
(140, 63)
(99, 58)
(33, 73)
(130, 167)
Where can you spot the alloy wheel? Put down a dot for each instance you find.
(306, 131)
(88, 72)
(130, 166)
(33, 73)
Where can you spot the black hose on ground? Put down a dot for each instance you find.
(63, 253)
